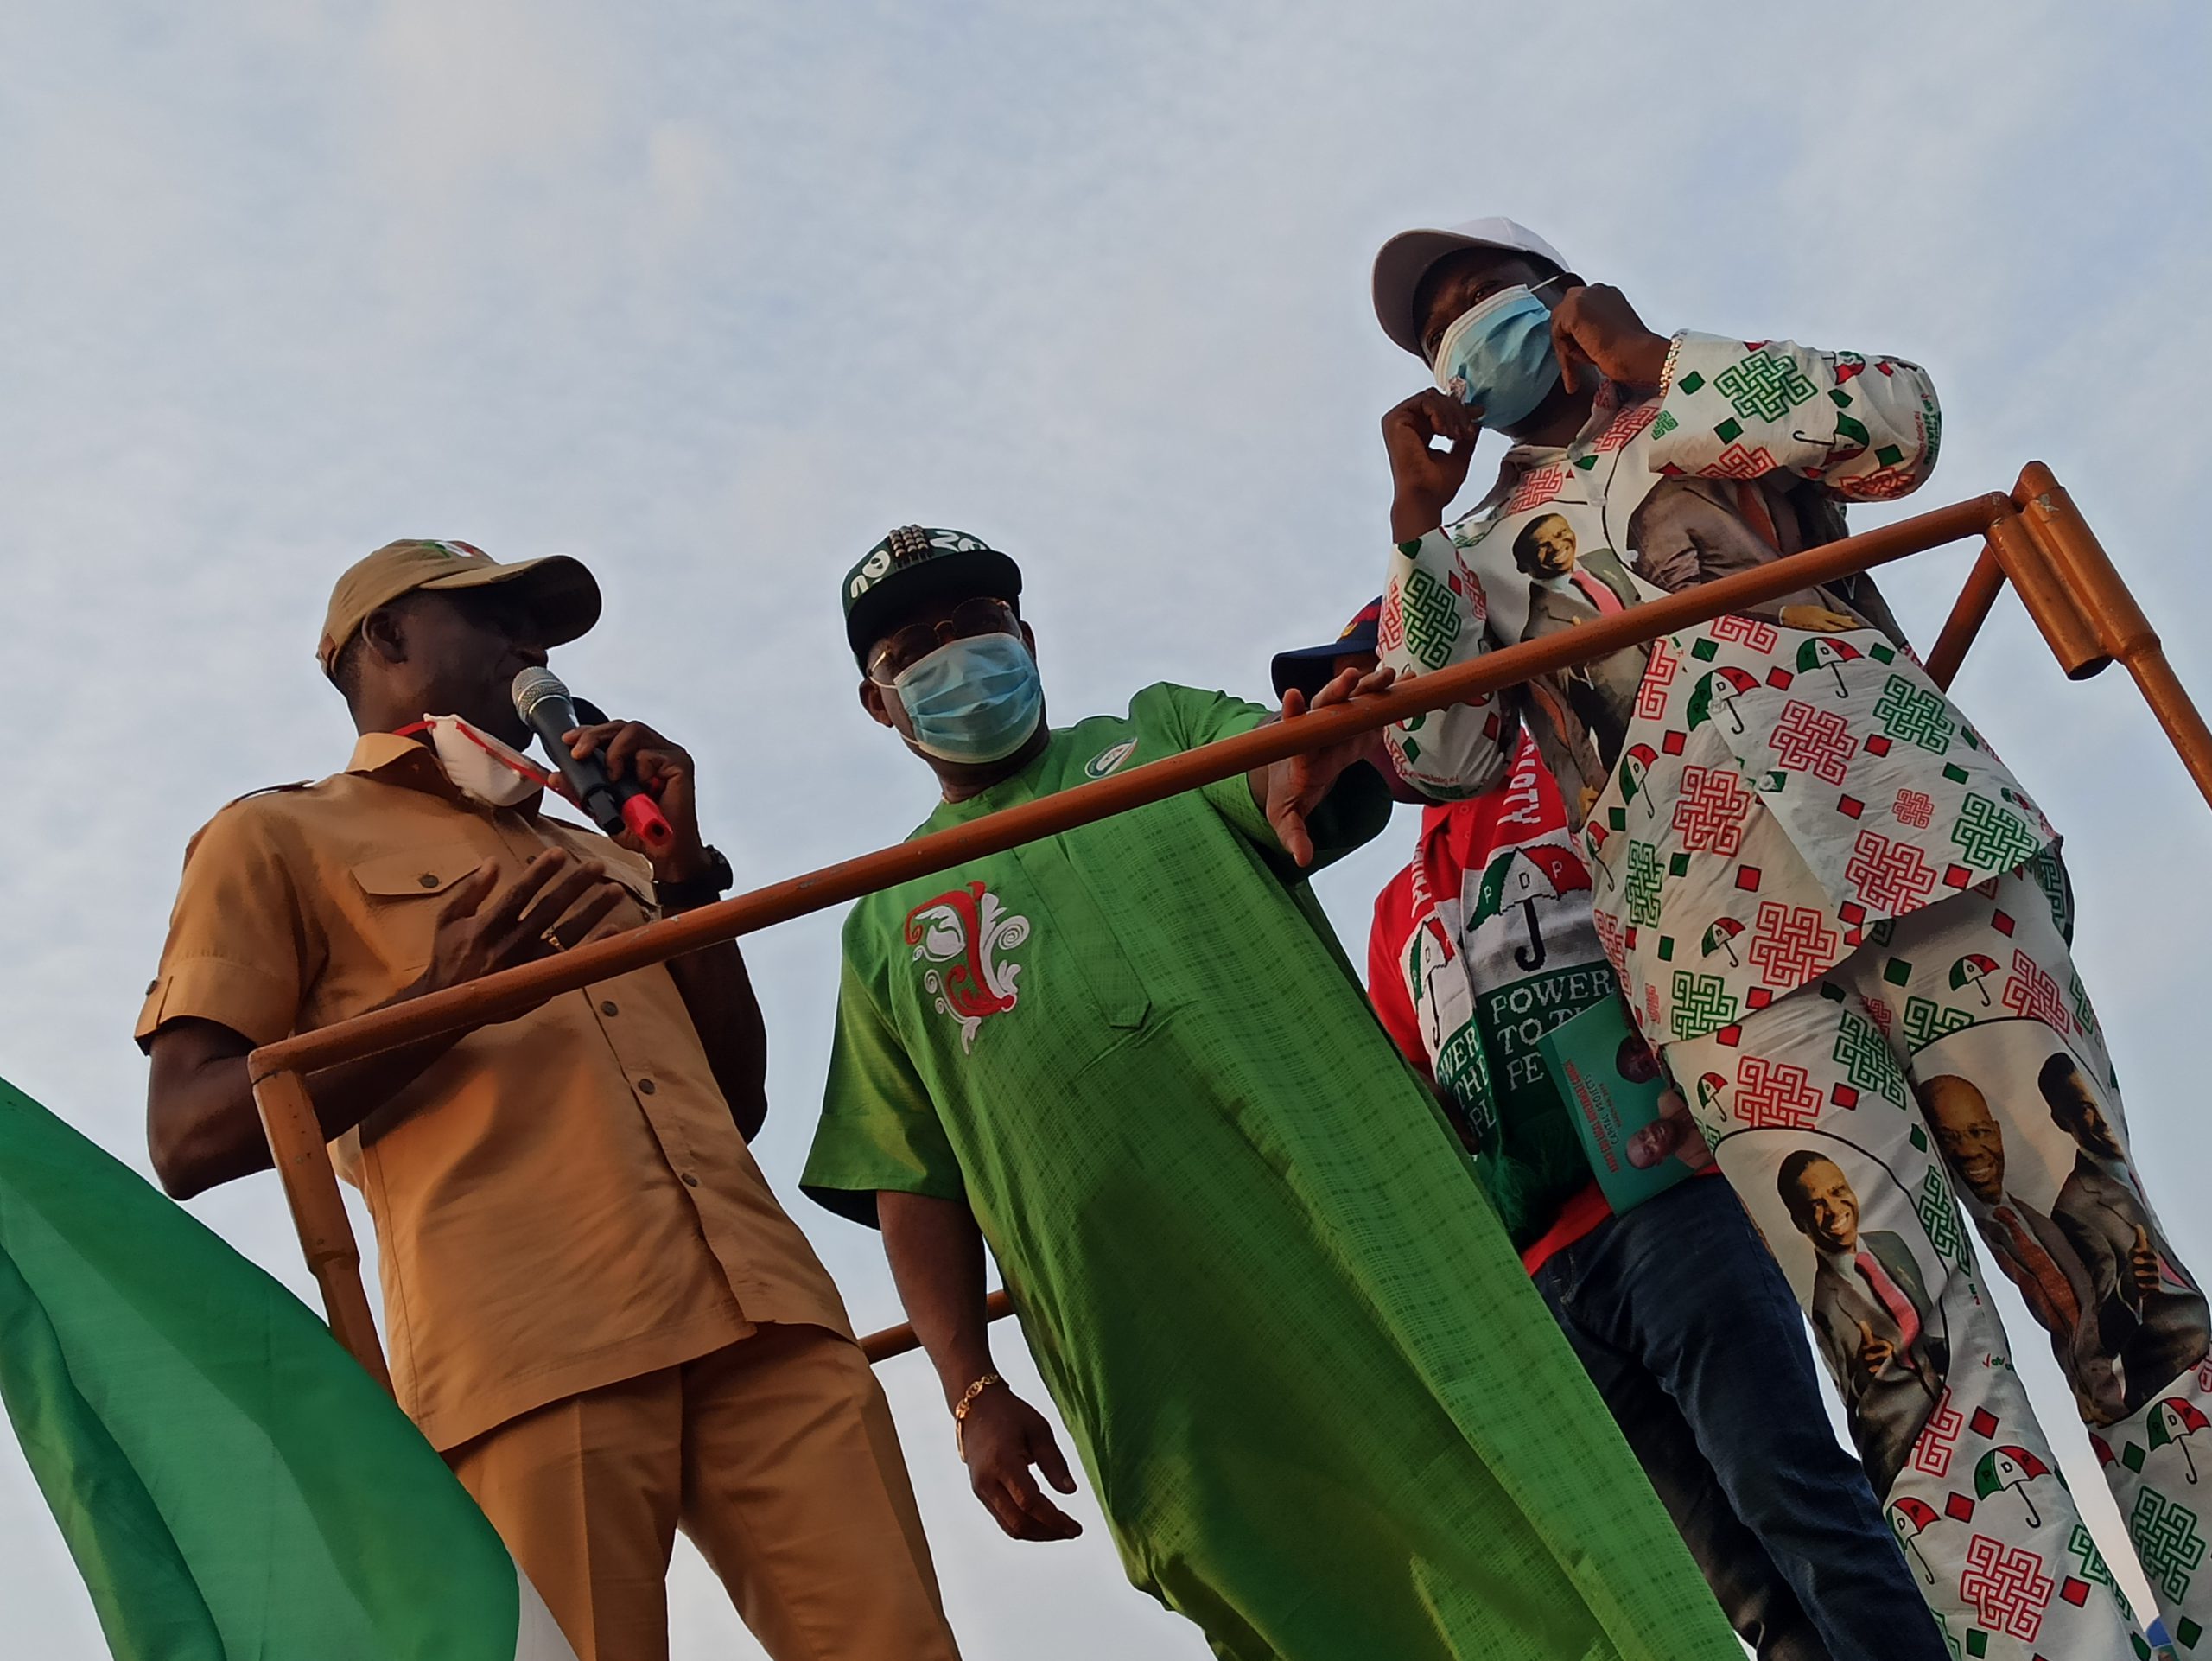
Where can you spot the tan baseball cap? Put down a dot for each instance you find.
(561, 593)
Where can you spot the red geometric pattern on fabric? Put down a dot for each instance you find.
(1792, 944)
(1915, 808)
(2032, 993)
(1753, 632)
(1625, 425)
(1890, 877)
(1737, 462)
(2007, 1585)
(1817, 742)
(1770, 1093)
(1658, 675)
(1710, 810)
(1390, 631)
(1537, 487)
(1469, 589)
(1939, 1438)
(1609, 936)
(1880, 1014)
(1650, 1007)
(1882, 487)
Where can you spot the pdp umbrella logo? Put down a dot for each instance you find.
(1721, 937)
(1522, 876)
(2173, 1422)
(2010, 1467)
(1909, 1519)
(1721, 685)
(1636, 771)
(1108, 759)
(1830, 655)
(1709, 1086)
(1972, 970)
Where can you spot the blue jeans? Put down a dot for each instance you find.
(1691, 1334)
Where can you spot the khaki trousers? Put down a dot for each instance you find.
(775, 1455)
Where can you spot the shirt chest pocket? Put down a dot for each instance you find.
(399, 898)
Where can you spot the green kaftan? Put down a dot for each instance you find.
(1326, 1415)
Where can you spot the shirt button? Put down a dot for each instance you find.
(429, 879)
(608, 1009)
(645, 1086)
(690, 1181)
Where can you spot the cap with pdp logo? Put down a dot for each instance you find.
(562, 596)
(1408, 258)
(916, 564)
(1308, 667)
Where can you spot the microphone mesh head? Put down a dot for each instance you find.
(533, 686)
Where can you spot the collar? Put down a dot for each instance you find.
(1525, 458)
(396, 760)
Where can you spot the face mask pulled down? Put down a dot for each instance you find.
(479, 764)
(1498, 356)
(972, 701)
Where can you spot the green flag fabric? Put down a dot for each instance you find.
(231, 1483)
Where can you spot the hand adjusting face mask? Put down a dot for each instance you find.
(493, 771)
(1499, 355)
(975, 700)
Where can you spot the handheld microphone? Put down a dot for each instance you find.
(614, 804)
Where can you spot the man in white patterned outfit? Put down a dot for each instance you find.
(1817, 883)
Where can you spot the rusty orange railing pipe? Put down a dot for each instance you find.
(2042, 547)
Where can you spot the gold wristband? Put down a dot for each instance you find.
(961, 1408)
(1667, 373)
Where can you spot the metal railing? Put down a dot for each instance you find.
(2034, 538)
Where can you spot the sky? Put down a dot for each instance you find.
(712, 296)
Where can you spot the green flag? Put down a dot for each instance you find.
(231, 1483)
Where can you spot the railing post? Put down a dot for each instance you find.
(1983, 585)
(302, 1159)
(2063, 536)
(2043, 590)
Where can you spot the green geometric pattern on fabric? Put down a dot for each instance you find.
(1644, 879)
(1882, 934)
(2094, 1569)
(2050, 877)
(1912, 714)
(2166, 1539)
(1690, 382)
(1664, 425)
(1432, 617)
(1991, 837)
(1764, 386)
(1703, 1003)
(1941, 1219)
(1925, 1021)
(1868, 1063)
(2084, 1012)
(230, 1481)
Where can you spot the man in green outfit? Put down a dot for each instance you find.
(1325, 1415)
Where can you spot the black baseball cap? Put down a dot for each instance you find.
(916, 562)
(1307, 668)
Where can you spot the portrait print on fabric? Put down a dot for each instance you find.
(2044, 1178)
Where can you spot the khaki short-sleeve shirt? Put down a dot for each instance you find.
(562, 1201)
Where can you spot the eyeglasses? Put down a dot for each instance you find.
(902, 651)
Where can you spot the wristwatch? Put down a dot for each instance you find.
(704, 890)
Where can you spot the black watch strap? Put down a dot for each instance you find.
(704, 890)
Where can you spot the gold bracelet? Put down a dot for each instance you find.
(961, 1408)
(1667, 373)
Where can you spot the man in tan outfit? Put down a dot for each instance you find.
(596, 1308)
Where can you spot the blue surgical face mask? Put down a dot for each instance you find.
(1498, 356)
(974, 700)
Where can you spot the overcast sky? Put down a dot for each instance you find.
(711, 295)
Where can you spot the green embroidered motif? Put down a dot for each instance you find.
(1702, 1004)
(2094, 1569)
(2164, 1533)
(1989, 837)
(1432, 618)
(1644, 881)
(1764, 386)
(1925, 1021)
(1941, 1219)
(1912, 714)
(1867, 1062)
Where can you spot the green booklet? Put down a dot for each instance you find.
(1636, 1128)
